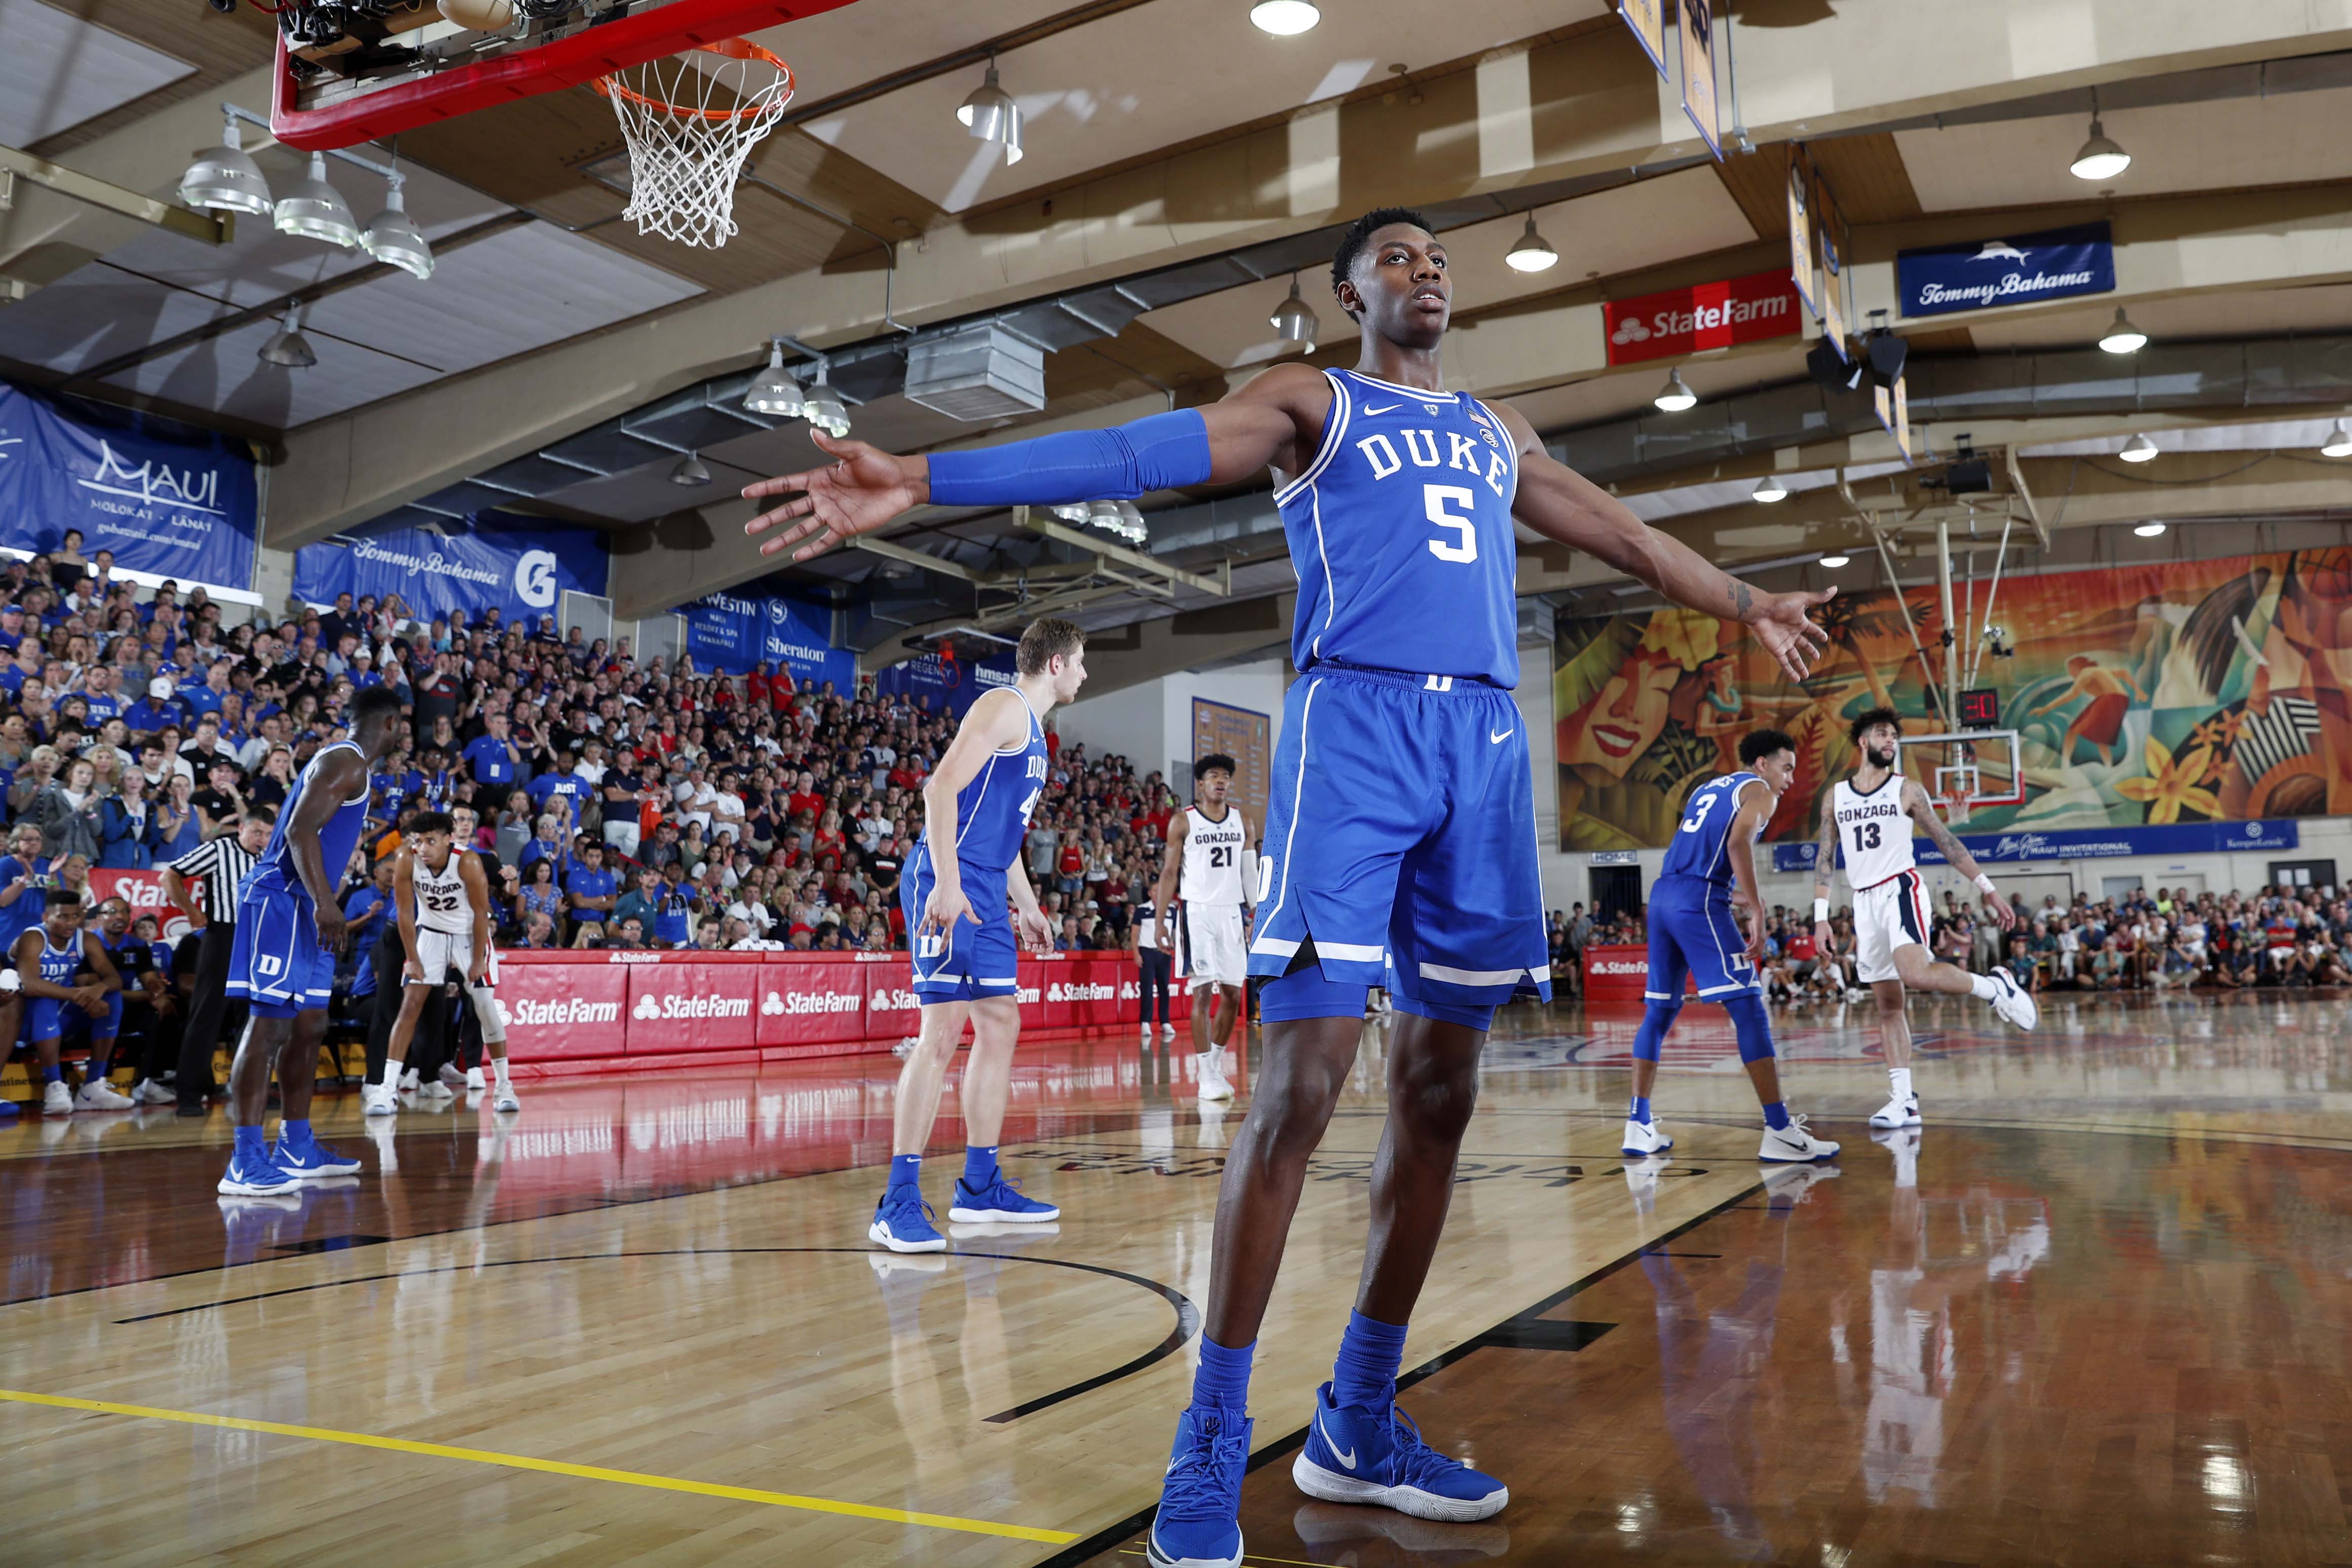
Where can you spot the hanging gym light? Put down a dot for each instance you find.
(2100, 159)
(1294, 320)
(991, 115)
(823, 407)
(1769, 490)
(287, 348)
(2339, 443)
(1833, 561)
(1284, 18)
(2148, 530)
(2138, 449)
(1532, 253)
(316, 210)
(226, 178)
(1675, 396)
(690, 470)
(2123, 337)
(392, 238)
(774, 390)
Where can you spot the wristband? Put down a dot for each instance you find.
(1984, 884)
(1159, 453)
(1820, 912)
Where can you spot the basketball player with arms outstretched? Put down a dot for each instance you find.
(444, 899)
(1707, 882)
(1398, 848)
(1870, 817)
(1209, 866)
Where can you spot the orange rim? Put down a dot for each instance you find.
(733, 48)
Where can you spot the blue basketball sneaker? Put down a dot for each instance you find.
(1360, 1453)
(312, 1161)
(902, 1222)
(1198, 1523)
(255, 1177)
(1000, 1200)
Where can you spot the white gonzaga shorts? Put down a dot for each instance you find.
(1886, 916)
(1213, 953)
(444, 954)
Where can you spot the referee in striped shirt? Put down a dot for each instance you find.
(219, 866)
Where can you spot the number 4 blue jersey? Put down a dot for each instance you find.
(1401, 533)
(1702, 846)
(992, 811)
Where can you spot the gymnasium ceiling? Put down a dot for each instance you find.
(1182, 159)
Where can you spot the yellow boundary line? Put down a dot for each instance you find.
(552, 1466)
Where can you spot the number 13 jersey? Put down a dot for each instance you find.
(1873, 831)
(1401, 533)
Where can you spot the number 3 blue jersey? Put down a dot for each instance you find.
(1702, 846)
(992, 811)
(1401, 533)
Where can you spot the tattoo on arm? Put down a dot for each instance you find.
(1743, 599)
(1825, 849)
(1923, 812)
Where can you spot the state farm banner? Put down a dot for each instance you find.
(1619, 974)
(143, 891)
(892, 1010)
(555, 1005)
(702, 1003)
(1677, 322)
(804, 1003)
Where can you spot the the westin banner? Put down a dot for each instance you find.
(1680, 321)
(2027, 270)
(177, 506)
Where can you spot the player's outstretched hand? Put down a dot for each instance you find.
(858, 492)
(1784, 625)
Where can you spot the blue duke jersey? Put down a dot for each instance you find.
(276, 963)
(992, 811)
(46, 1016)
(1702, 847)
(970, 960)
(1401, 533)
(275, 871)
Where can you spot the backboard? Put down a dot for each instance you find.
(343, 77)
(1965, 771)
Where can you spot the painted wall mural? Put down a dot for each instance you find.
(2187, 692)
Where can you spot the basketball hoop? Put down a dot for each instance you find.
(689, 125)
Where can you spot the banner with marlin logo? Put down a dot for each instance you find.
(2052, 264)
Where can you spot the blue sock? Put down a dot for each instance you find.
(292, 1135)
(54, 1074)
(978, 1166)
(249, 1144)
(1370, 1354)
(1776, 1116)
(1641, 1111)
(1223, 1375)
(905, 1170)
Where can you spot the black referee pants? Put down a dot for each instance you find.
(1156, 967)
(208, 1010)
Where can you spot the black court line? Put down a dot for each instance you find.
(1188, 1315)
(1111, 1535)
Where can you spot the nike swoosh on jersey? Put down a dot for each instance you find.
(1497, 739)
(1384, 408)
(1346, 1456)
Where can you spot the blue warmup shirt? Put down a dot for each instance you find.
(491, 762)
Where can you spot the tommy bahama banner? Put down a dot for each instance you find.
(2181, 693)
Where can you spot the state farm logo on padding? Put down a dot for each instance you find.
(892, 1000)
(797, 1004)
(1080, 991)
(650, 1006)
(1621, 965)
(529, 1012)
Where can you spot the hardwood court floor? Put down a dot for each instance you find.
(2094, 1316)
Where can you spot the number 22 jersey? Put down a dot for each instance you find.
(1401, 534)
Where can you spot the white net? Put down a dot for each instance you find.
(689, 121)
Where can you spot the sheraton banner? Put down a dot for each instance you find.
(1678, 322)
(735, 633)
(176, 506)
(493, 560)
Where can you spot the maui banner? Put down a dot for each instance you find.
(946, 680)
(735, 633)
(495, 560)
(2051, 264)
(2083, 843)
(2184, 693)
(176, 506)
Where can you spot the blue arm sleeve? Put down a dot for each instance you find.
(1130, 460)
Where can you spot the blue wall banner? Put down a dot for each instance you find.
(2051, 264)
(172, 505)
(949, 682)
(2084, 844)
(798, 637)
(723, 632)
(519, 566)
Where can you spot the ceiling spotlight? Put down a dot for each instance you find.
(315, 210)
(774, 390)
(2339, 442)
(1674, 397)
(226, 179)
(1833, 561)
(1533, 253)
(2148, 530)
(991, 115)
(287, 348)
(2100, 159)
(2123, 337)
(1769, 490)
(690, 470)
(823, 409)
(2138, 449)
(1284, 18)
(1294, 320)
(394, 240)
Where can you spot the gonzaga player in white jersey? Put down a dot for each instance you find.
(1209, 864)
(445, 921)
(1400, 846)
(1868, 819)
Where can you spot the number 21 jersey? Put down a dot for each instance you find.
(1873, 832)
(1401, 533)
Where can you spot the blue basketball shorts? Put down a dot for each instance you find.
(1400, 840)
(275, 962)
(1693, 935)
(968, 961)
(46, 1018)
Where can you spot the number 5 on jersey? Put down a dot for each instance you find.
(1465, 546)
